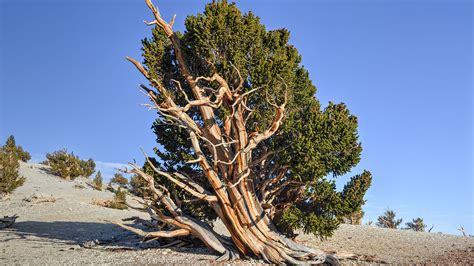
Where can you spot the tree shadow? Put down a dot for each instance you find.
(105, 236)
(47, 170)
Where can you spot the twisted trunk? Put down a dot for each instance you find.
(229, 171)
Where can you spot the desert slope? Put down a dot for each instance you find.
(56, 217)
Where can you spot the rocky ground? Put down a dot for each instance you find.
(60, 224)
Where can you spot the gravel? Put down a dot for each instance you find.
(59, 224)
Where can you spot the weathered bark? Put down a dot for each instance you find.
(234, 186)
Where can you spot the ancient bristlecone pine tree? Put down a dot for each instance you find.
(243, 139)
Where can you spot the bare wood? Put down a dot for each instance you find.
(157, 234)
(225, 157)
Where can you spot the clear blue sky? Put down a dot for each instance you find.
(403, 67)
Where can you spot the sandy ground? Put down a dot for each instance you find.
(54, 232)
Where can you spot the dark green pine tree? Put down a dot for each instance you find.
(97, 182)
(119, 180)
(261, 144)
(69, 166)
(387, 220)
(88, 167)
(416, 225)
(10, 178)
(22, 155)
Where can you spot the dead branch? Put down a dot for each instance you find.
(154, 235)
(461, 229)
(232, 182)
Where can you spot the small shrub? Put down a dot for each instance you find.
(88, 167)
(10, 146)
(97, 181)
(69, 166)
(119, 180)
(387, 220)
(139, 187)
(290, 220)
(119, 201)
(416, 225)
(10, 179)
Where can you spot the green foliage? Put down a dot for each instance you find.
(322, 143)
(11, 146)
(97, 182)
(354, 191)
(139, 187)
(416, 225)
(312, 145)
(69, 166)
(289, 220)
(387, 220)
(88, 167)
(119, 201)
(319, 225)
(10, 154)
(9, 176)
(120, 180)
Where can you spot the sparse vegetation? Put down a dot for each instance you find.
(97, 182)
(88, 167)
(387, 220)
(18, 151)
(119, 180)
(69, 166)
(353, 198)
(138, 186)
(416, 225)
(10, 178)
(119, 201)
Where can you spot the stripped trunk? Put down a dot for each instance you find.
(233, 196)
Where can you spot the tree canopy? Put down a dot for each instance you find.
(241, 137)
(313, 145)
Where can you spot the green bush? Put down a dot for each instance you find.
(88, 167)
(9, 176)
(69, 166)
(139, 187)
(97, 181)
(119, 180)
(119, 201)
(416, 225)
(387, 220)
(10, 179)
(17, 150)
